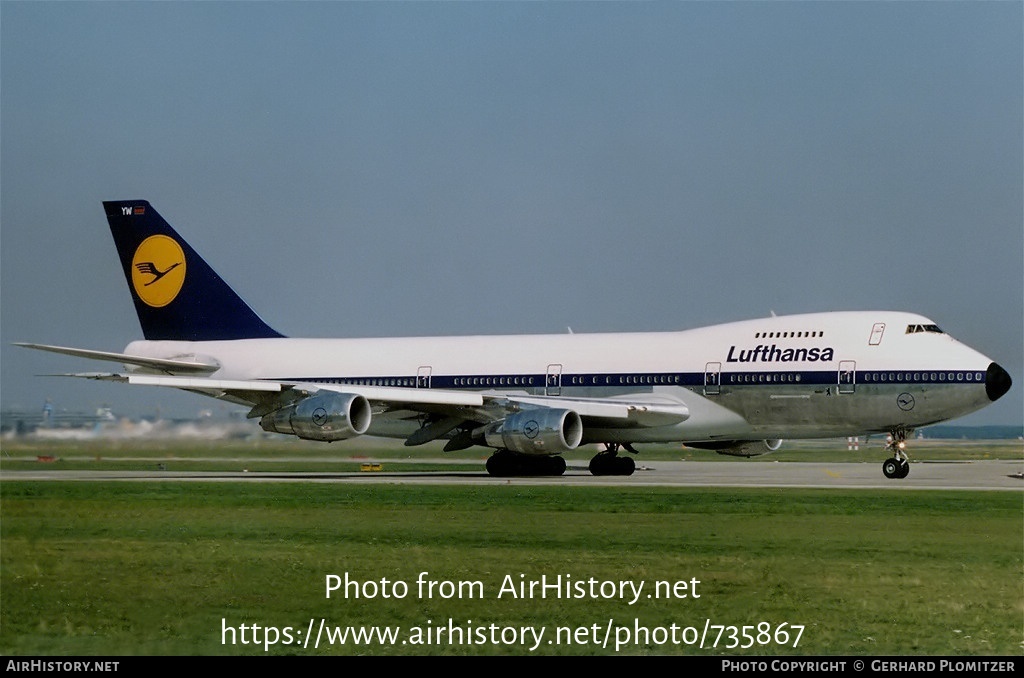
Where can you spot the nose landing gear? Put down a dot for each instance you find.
(899, 465)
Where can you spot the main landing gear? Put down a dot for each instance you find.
(508, 464)
(609, 463)
(899, 465)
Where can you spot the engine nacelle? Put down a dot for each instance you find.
(734, 448)
(539, 431)
(325, 417)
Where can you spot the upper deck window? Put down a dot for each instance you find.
(790, 335)
(914, 329)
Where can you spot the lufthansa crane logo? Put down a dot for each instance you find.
(158, 270)
(320, 417)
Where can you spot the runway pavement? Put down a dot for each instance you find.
(973, 475)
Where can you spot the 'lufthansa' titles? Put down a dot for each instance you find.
(774, 354)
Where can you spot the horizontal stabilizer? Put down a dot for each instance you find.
(192, 366)
(97, 376)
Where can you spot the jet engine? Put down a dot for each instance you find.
(538, 431)
(734, 448)
(325, 417)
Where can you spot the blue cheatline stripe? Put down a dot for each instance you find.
(640, 379)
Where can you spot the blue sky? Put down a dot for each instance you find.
(371, 169)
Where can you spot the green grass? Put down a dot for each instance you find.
(130, 568)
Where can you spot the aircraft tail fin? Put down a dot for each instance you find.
(177, 295)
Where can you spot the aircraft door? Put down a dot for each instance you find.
(847, 376)
(712, 378)
(553, 384)
(423, 376)
(876, 334)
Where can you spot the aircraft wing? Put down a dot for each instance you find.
(453, 408)
(640, 412)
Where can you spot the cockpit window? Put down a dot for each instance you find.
(914, 329)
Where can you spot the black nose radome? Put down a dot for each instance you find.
(997, 382)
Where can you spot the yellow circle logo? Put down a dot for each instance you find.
(158, 270)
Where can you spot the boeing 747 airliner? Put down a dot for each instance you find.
(738, 388)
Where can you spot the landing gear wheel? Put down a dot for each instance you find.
(499, 465)
(896, 468)
(505, 464)
(904, 469)
(609, 463)
(899, 465)
(891, 468)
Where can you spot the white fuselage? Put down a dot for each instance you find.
(801, 376)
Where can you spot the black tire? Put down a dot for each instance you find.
(891, 468)
(599, 466)
(904, 469)
(496, 466)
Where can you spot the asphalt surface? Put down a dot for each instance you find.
(973, 475)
